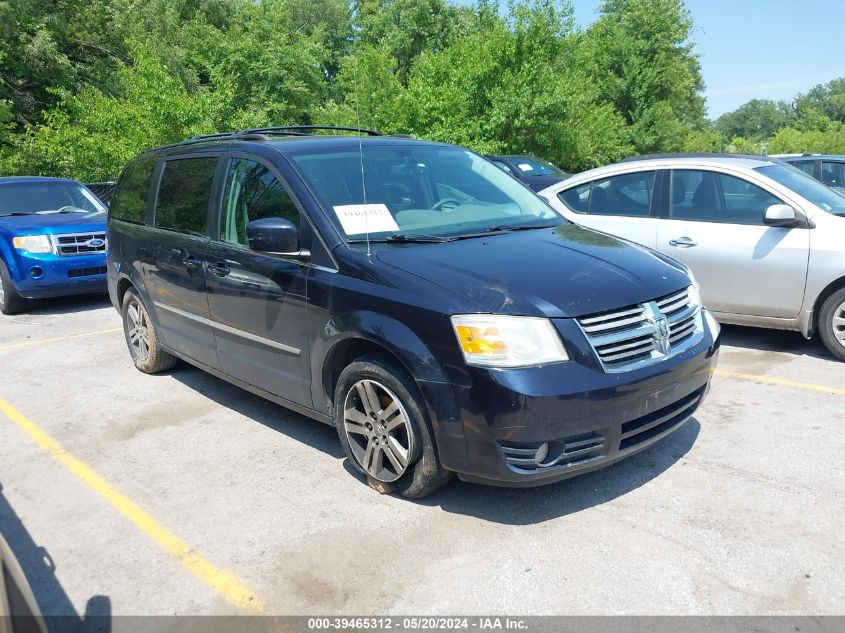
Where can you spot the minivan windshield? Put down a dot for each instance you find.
(42, 198)
(419, 192)
(807, 187)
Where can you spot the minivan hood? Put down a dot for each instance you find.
(52, 223)
(568, 271)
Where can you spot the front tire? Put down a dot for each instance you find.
(832, 323)
(10, 301)
(384, 428)
(141, 337)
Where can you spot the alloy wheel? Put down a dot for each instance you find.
(379, 430)
(2, 292)
(839, 323)
(138, 331)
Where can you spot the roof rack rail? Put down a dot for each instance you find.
(306, 129)
(264, 134)
(203, 138)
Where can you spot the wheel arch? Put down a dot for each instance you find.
(352, 335)
(828, 290)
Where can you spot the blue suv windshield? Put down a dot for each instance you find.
(418, 190)
(28, 198)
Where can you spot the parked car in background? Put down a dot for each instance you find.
(765, 240)
(826, 168)
(439, 315)
(535, 173)
(52, 240)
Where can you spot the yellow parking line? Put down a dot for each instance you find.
(58, 338)
(223, 582)
(771, 380)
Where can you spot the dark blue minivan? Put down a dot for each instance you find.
(433, 309)
(52, 240)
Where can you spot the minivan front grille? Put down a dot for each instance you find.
(641, 334)
(80, 243)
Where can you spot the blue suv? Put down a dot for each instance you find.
(52, 240)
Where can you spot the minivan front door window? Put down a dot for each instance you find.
(252, 193)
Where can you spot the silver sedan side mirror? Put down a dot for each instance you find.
(780, 215)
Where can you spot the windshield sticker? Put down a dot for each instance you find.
(525, 167)
(362, 218)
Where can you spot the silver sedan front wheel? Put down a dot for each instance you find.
(831, 323)
(838, 323)
(378, 429)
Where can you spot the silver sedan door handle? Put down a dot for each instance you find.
(683, 242)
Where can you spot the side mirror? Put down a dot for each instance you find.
(275, 236)
(780, 215)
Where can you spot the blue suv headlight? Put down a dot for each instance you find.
(36, 244)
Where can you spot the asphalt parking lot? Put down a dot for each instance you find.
(179, 494)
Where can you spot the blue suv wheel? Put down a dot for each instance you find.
(10, 301)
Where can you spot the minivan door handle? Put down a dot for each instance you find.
(683, 242)
(220, 269)
(191, 262)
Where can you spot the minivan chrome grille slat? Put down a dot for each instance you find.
(634, 336)
(613, 324)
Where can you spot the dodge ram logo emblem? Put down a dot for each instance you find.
(95, 243)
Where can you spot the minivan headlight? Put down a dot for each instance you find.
(497, 340)
(36, 244)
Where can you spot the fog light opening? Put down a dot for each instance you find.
(542, 453)
(36, 272)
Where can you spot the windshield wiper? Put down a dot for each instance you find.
(18, 213)
(498, 228)
(417, 237)
(504, 228)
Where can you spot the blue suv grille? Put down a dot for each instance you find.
(80, 243)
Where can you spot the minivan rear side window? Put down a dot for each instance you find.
(184, 194)
(130, 199)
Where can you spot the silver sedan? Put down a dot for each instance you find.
(765, 241)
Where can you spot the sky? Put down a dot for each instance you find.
(763, 49)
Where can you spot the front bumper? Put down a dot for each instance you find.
(588, 418)
(48, 275)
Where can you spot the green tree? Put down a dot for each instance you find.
(758, 119)
(827, 99)
(640, 55)
(91, 135)
(407, 28)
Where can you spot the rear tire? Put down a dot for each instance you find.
(141, 338)
(10, 301)
(832, 323)
(384, 428)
